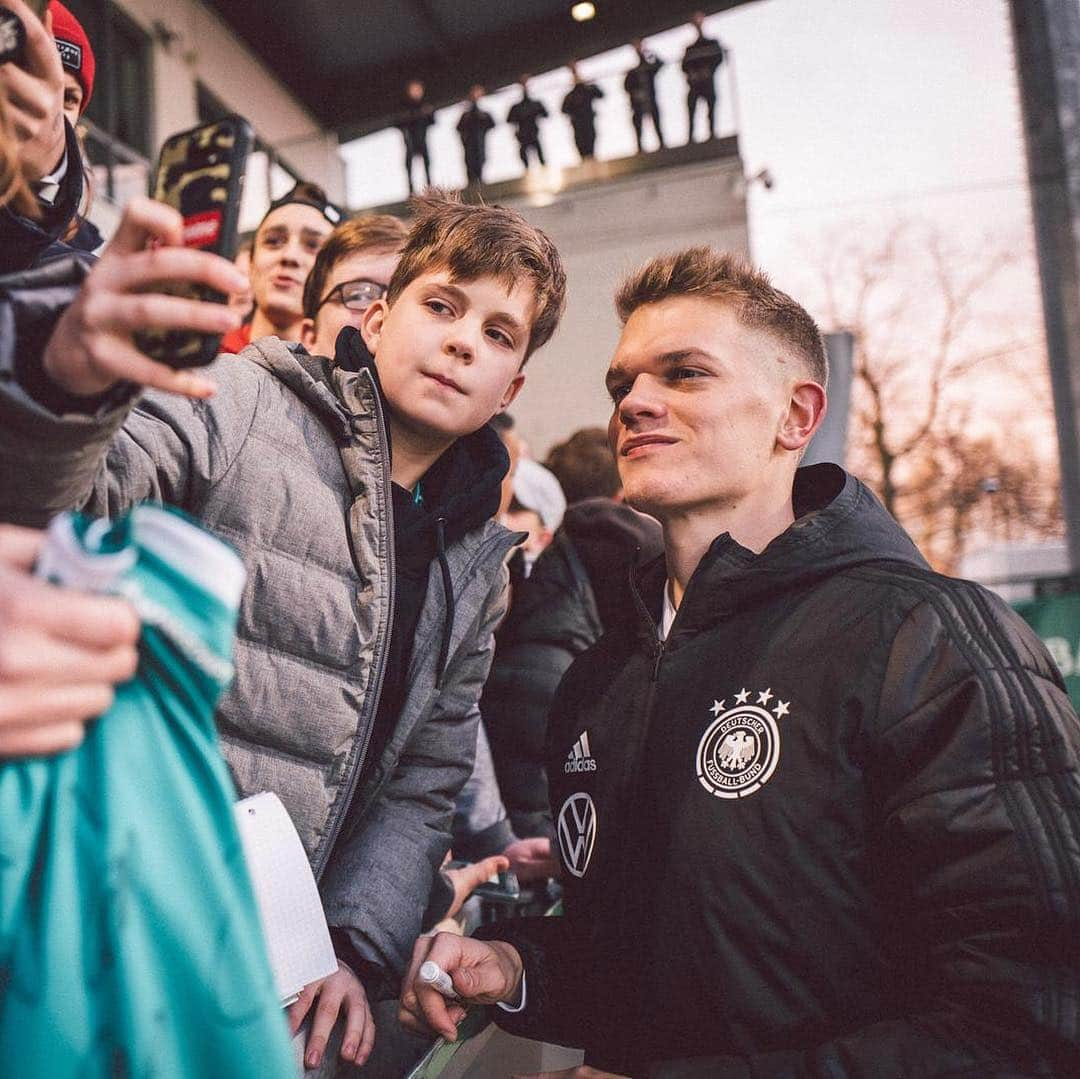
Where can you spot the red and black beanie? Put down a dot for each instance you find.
(74, 46)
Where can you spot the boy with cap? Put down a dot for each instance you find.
(360, 494)
(283, 252)
(77, 58)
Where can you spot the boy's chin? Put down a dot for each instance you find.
(435, 425)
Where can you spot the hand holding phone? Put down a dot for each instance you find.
(93, 345)
(33, 86)
(200, 174)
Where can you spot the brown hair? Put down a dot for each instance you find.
(708, 274)
(585, 466)
(476, 241)
(376, 234)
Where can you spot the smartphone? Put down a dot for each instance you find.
(201, 174)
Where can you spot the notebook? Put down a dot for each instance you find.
(290, 909)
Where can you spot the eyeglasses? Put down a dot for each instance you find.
(355, 295)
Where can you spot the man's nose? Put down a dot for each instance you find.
(643, 399)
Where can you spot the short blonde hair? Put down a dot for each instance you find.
(474, 241)
(709, 274)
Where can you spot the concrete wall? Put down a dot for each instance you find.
(602, 233)
(205, 50)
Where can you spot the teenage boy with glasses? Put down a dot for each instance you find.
(351, 271)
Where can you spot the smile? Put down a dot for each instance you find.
(636, 447)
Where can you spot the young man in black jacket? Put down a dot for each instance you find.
(831, 819)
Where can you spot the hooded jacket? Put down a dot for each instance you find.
(576, 590)
(831, 826)
(289, 463)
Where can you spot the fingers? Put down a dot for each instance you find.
(144, 220)
(32, 705)
(30, 655)
(19, 547)
(143, 269)
(39, 741)
(115, 358)
(359, 1037)
(326, 1012)
(102, 623)
(42, 57)
(422, 1008)
(301, 1006)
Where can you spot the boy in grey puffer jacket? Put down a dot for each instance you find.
(359, 494)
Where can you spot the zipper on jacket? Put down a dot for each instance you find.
(448, 595)
(371, 699)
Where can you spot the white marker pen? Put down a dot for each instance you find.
(434, 975)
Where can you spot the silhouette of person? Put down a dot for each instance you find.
(700, 64)
(526, 116)
(473, 126)
(580, 106)
(413, 123)
(640, 85)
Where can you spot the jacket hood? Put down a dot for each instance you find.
(839, 524)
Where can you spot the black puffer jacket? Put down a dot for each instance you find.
(832, 827)
(573, 594)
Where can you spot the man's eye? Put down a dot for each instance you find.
(681, 374)
(617, 393)
(501, 337)
(438, 307)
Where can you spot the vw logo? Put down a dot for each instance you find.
(577, 832)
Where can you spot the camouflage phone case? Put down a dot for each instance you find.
(200, 174)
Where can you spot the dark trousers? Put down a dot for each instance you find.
(525, 147)
(692, 99)
(474, 165)
(585, 139)
(411, 153)
(639, 116)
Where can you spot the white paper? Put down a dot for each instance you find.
(294, 925)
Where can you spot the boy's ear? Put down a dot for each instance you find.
(307, 333)
(512, 390)
(371, 325)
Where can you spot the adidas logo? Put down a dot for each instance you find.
(580, 758)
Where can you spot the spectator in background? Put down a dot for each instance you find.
(537, 507)
(473, 126)
(413, 123)
(77, 59)
(351, 272)
(526, 115)
(283, 252)
(580, 105)
(574, 594)
(585, 466)
(640, 86)
(700, 63)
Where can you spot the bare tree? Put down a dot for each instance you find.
(932, 327)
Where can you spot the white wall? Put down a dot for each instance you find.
(206, 50)
(603, 232)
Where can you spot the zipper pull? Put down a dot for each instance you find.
(659, 657)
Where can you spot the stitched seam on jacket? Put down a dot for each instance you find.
(1054, 821)
(922, 588)
(306, 562)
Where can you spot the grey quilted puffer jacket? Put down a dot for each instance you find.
(288, 462)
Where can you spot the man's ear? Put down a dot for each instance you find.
(805, 413)
(512, 391)
(307, 333)
(371, 325)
